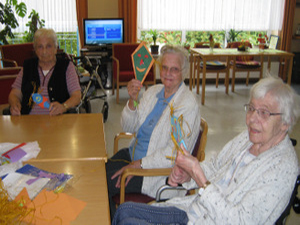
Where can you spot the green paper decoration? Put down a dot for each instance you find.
(142, 62)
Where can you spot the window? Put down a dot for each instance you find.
(192, 16)
(60, 15)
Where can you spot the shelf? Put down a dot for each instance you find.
(296, 37)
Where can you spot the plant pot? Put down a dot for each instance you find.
(154, 49)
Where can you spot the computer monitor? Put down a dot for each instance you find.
(103, 31)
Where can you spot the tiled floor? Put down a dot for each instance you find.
(224, 114)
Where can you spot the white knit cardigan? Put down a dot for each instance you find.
(160, 144)
(258, 194)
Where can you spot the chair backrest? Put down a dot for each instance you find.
(123, 52)
(206, 45)
(199, 148)
(7, 77)
(17, 52)
(236, 45)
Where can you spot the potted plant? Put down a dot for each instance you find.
(232, 35)
(154, 34)
(7, 17)
(34, 24)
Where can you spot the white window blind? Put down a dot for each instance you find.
(60, 15)
(210, 15)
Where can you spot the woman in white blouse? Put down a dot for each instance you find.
(249, 182)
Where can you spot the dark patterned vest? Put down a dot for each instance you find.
(57, 86)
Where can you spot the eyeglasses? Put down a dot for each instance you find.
(173, 70)
(262, 113)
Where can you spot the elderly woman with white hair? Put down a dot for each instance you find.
(249, 182)
(52, 77)
(150, 121)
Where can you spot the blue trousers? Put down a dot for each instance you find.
(130, 213)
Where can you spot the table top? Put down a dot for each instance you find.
(235, 52)
(88, 184)
(63, 137)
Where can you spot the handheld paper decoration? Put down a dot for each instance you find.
(40, 100)
(177, 133)
(142, 62)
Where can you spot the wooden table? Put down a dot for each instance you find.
(88, 184)
(206, 54)
(63, 137)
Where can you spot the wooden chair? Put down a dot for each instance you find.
(198, 151)
(244, 63)
(14, 55)
(122, 67)
(7, 77)
(215, 66)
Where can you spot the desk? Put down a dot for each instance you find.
(206, 54)
(63, 137)
(88, 184)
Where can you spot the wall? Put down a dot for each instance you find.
(102, 8)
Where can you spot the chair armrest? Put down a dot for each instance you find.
(122, 135)
(9, 63)
(140, 172)
(5, 77)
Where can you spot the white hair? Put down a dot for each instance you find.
(183, 54)
(287, 99)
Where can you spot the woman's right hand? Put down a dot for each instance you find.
(133, 88)
(15, 109)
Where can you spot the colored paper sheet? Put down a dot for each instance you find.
(56, 179)
(51, 208)
(142, 62)
(15, 182)
(15, 155)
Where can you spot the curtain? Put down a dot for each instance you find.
(82, 12)
(60, 15)
(128, 11)
(287, 27)
(210, 15)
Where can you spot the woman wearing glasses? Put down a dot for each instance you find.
(249, 182)
(150, 121)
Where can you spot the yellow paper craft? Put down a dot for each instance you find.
(142, 62)
(51, 208)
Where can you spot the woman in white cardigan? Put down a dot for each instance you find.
(150, 121)
(249, 182)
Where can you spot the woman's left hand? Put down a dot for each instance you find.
(134, 164)
(56, 108)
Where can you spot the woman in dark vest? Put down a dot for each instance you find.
(53, 78)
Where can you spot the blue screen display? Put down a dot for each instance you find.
(103, 31)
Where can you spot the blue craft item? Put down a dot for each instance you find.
(176, 132)
(40, 100)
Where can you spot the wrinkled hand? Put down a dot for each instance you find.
(135, 164)
(15, 109)
(56, 108)
(187, 162)
(133, 88)
(186, 167)
(178, 176)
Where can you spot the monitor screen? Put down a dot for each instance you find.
(103, 31)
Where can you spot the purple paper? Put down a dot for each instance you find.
(15, 155)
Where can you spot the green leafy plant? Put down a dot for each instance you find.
(232, 35)
(34, 24)
(154, 34)
(8, 19)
